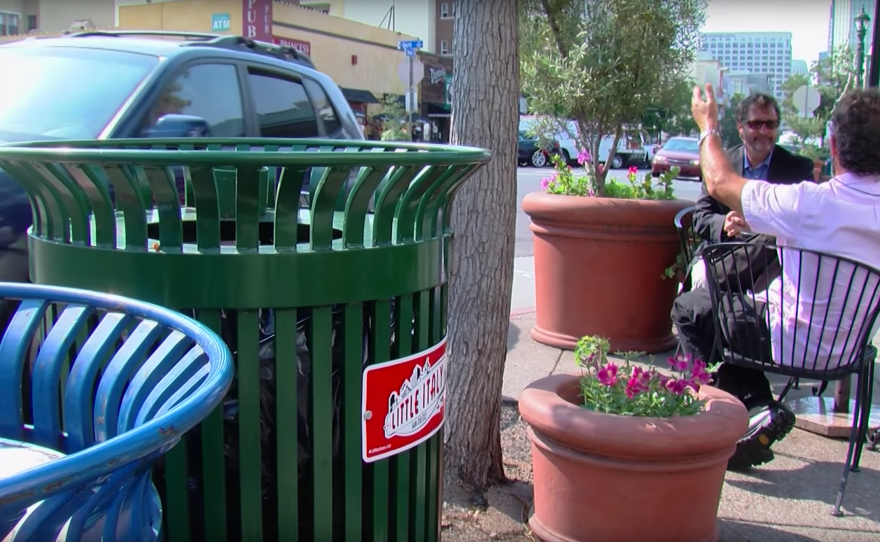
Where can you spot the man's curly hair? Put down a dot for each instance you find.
(856, 131)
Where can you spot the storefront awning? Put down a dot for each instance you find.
(358, 96)
(437, 110)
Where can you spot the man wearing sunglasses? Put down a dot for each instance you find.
(758, 158)
(840, 217)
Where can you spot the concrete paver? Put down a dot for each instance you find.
(787, 500)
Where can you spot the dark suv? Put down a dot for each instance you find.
(118, 84)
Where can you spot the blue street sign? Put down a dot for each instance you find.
(410, 52)
(414, 44)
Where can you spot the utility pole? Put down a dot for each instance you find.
(411, 48)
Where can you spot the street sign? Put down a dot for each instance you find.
(806, 99)
(418, 71)
(410, 52)
(413, 44)
(404, 403)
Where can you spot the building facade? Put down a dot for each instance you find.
(799, 67)
(431, 21)
(767, 54)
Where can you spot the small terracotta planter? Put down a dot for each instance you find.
(601, 477)
(599, 265)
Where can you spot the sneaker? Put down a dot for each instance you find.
(768, 425)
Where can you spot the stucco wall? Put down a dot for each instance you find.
(333, 41)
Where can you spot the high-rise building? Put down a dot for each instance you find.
(843, 23)
(760, 53)
(799, 67)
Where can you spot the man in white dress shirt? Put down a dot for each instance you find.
(839, 217)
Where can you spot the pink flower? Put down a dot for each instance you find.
(607, 375)
(583, 157)
(633, 170)
(680, 363)
(638, 382)
(699, 374)
(547, 182)
(676, 386)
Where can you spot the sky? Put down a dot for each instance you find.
(807, 20)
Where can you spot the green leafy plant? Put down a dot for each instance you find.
(601, 66)
(627, 389)
(564, 181)
(393, 127)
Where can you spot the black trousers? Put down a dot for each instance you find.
(747, 335)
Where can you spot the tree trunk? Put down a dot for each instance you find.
(485, 114)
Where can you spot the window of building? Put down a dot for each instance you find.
(283, 106)
(444, 47)
(9, 24)
(444, 10)
(207, 91)
(31, 22)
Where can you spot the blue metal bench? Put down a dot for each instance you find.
(95, 388)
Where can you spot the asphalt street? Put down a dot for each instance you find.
(529, 180)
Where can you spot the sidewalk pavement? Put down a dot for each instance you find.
(787, 500)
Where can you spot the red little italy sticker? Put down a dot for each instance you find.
(404, 402)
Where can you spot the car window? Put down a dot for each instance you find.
(207, 91)
(65, 92)
(323, 106)
(682, 145)
(282, 105)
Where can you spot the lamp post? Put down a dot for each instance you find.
(862, 20)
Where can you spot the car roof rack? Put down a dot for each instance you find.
(202, 39)
(261, 47)
(202, 36)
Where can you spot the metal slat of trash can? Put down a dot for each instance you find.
(344, 292)
(112, 384)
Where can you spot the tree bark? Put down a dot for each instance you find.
(485, 113)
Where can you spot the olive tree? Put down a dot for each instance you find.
(604, 64)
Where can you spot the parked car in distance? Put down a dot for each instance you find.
(129, 84)
(680, 152)
(531, 153)
(629, 148)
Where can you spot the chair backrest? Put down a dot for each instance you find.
(819, 318)
(684, 225)
(110, 382)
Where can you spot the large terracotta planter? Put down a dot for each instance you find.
(598, 270)
(606, 478)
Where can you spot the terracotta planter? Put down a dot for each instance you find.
(598, 270)
(601, 477)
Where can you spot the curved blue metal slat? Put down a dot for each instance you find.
(45, 399)
(173, 372)
(169, 352)
(78, 396)
(121, 368)
(13, 348)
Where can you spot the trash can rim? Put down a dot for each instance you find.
(107, 151)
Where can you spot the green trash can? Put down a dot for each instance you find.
(335, 311)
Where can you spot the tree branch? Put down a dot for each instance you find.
(555, 28)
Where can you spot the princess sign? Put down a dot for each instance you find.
(404, 402)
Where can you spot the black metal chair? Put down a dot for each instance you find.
(827, 323)
(690, 242)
